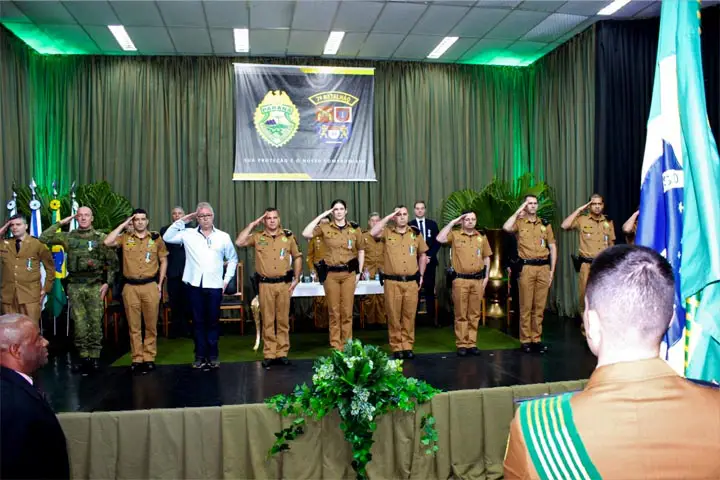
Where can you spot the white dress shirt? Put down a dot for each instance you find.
(204, 256)
(26, 377)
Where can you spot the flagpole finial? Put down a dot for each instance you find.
(33, 185)
(54, 187)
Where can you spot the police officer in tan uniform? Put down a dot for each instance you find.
(537, 256)
(144, 266)
(21, 258)
(316, 252)
(636, 418)
(403, 269)
(373, 305)
(596, 231)
(470, 265)
(629, 228)
(340, 270)
(278, 266)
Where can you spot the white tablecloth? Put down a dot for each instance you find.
(364, 287)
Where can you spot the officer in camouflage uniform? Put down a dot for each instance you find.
(91, 267)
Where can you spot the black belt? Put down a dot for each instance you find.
(471, 276)
(585, 259)
(287, 278)
(140, 281)
(535, 261)
(402, 278)
(339, 268)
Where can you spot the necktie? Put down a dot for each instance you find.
(422, 228)
(17, 245)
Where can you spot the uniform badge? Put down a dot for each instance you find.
(147, 257)
(349, 244)
(412, 249)
(91, 245)
(606, 225)
(284, 239)
(29, 265)
(282, 253)
(276, 118)
(352, 230)
(543, 228)
(477, 252)
(151, 242)
(130, 243)
(412, 235)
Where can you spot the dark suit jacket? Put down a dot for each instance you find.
(176, 259)
(32, 443)
(431, 232)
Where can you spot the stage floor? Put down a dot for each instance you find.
(177, 386)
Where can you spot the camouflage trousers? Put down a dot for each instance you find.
(86, 310)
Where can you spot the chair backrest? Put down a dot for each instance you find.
(237, 284)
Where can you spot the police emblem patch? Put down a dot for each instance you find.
(276, 118)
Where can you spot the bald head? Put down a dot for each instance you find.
(629, 300)
(22, 348)
(84, 217)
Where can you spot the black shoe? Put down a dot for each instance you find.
(95, 364)
(398, 355)
(266, 363)
(137, 367)
(473, 351)
(525, 347)
(148, 367)
(409, 354)
(77, 366)
(540, 347)
(461, 352)
(283, 361)
(198, 363)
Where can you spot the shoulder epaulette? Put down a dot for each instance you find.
(288, 233)
(154, 235)
(544, 222)
(414, 229)
(354, 224)
(481, 231)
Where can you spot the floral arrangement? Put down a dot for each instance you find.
(361, 383)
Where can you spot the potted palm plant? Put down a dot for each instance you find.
(493, 205)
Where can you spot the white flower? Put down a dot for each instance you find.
(325, 372)
(394, 366)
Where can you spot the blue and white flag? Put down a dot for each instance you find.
(660, 223)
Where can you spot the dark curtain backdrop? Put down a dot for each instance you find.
(161, 131)
(625, 70)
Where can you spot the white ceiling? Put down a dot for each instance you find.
(379, 29)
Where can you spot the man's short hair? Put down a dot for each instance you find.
(597, 195)
(140, 211)
(400, 206)
(271, 209)
(12, 331)
(205, 205)
(632, 289)
(530, 195)
(177, 207)
(419, 201)
(18, 216)
(466, 212)
(373, 214)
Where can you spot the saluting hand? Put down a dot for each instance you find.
(327, 212)
(189, 217)
(4, 228)
(586, 206)
(260, 219)
(459, 219)
(67, 220)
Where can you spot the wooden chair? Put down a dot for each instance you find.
(114, 309)
(235, 301)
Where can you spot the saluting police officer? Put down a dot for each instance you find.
(629, 228)
(316, 253)
(596, 231)
(278, 266)
(470, 265)
(144, 266)
(537, 256)
(404, 265)
(91, 272)
(373, 305)
(21, 258)
(340, 270)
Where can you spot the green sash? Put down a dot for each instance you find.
(555, 446)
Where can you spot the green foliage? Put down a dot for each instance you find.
(361, 383)
(495, 203)
(109, 208)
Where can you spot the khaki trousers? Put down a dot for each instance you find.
(374, 309)
(534, 284)
(401, 299)
(142, 301)
(275, 307)
(32, 310)
(467, 297)
(340, 293)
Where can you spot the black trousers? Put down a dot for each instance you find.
(179, 308)
(428, 289)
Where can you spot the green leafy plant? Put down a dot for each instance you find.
(361, 383)
(495, 203)
(109, 208)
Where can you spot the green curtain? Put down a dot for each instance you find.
(161, 131)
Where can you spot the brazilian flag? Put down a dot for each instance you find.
(56, 299)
